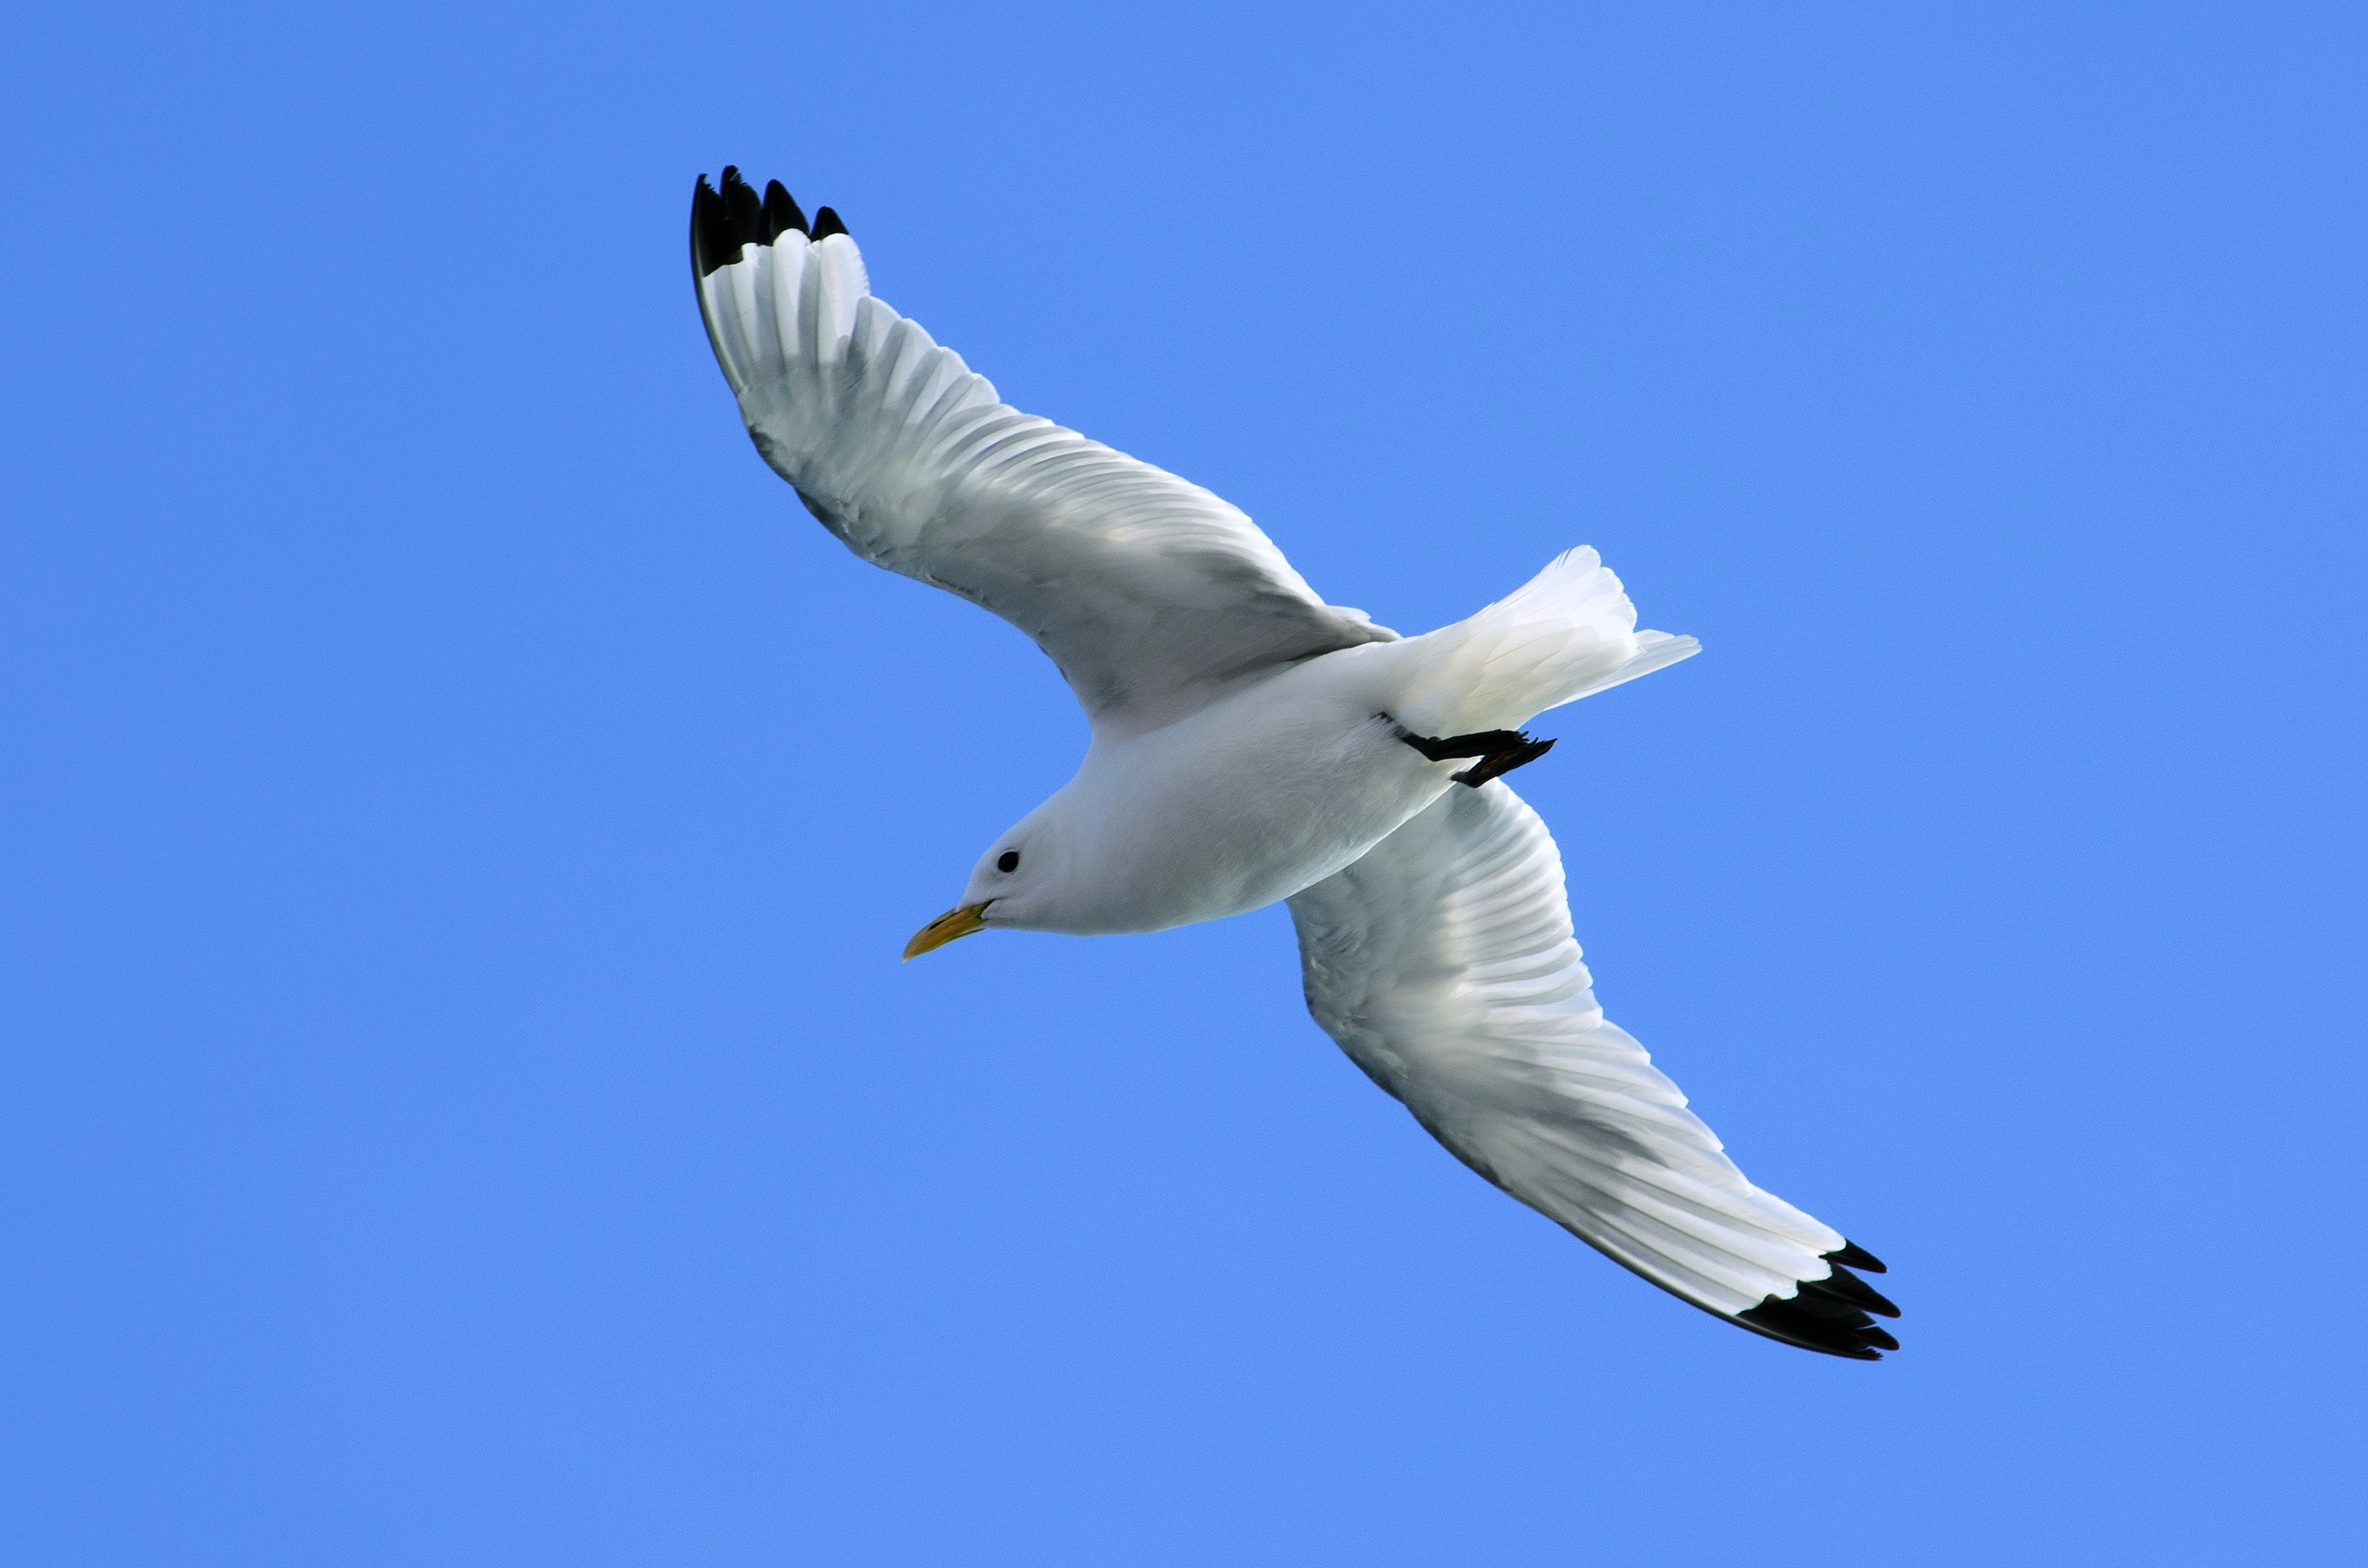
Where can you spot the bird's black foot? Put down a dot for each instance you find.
(1499, 751)
(1498, 763)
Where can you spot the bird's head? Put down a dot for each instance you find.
(1017, 882)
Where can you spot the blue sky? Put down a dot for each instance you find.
(462, 1102)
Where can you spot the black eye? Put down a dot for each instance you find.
(1008, 861)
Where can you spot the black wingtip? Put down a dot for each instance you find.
(708, 240)
(1843, 1286)
(744, 210)
(1829, 1316)
(781, 213)
(726, 221)
(1849, 1254)
(1814, 1325)
(826, 223)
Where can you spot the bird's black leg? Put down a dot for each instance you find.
(1498, 763)
(1499, 751)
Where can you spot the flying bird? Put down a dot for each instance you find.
(1251, 743)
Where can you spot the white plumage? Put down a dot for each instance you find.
(1443, 963)
(1253, 744)
(1151, 593)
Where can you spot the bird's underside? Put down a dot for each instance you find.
(1443, 960)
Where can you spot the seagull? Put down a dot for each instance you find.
(1252, 744)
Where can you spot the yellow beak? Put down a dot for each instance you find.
(953, 923)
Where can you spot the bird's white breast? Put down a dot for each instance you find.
(1245, 802)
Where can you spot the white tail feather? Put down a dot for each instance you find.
(1567, 632)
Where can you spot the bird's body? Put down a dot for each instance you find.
(1314, 768)
(1252, 744)
(1138, 842)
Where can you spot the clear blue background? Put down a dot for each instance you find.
(462, 1102)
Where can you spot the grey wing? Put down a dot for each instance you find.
(1151, 593)
(1443, 963)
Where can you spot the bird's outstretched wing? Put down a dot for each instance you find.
(1443, 964)
(1151, 594)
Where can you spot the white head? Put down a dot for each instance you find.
(1019, 882)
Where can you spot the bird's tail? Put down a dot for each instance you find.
(1567, 632)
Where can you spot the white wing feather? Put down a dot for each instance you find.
(1443, 963)
(1151, 593)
